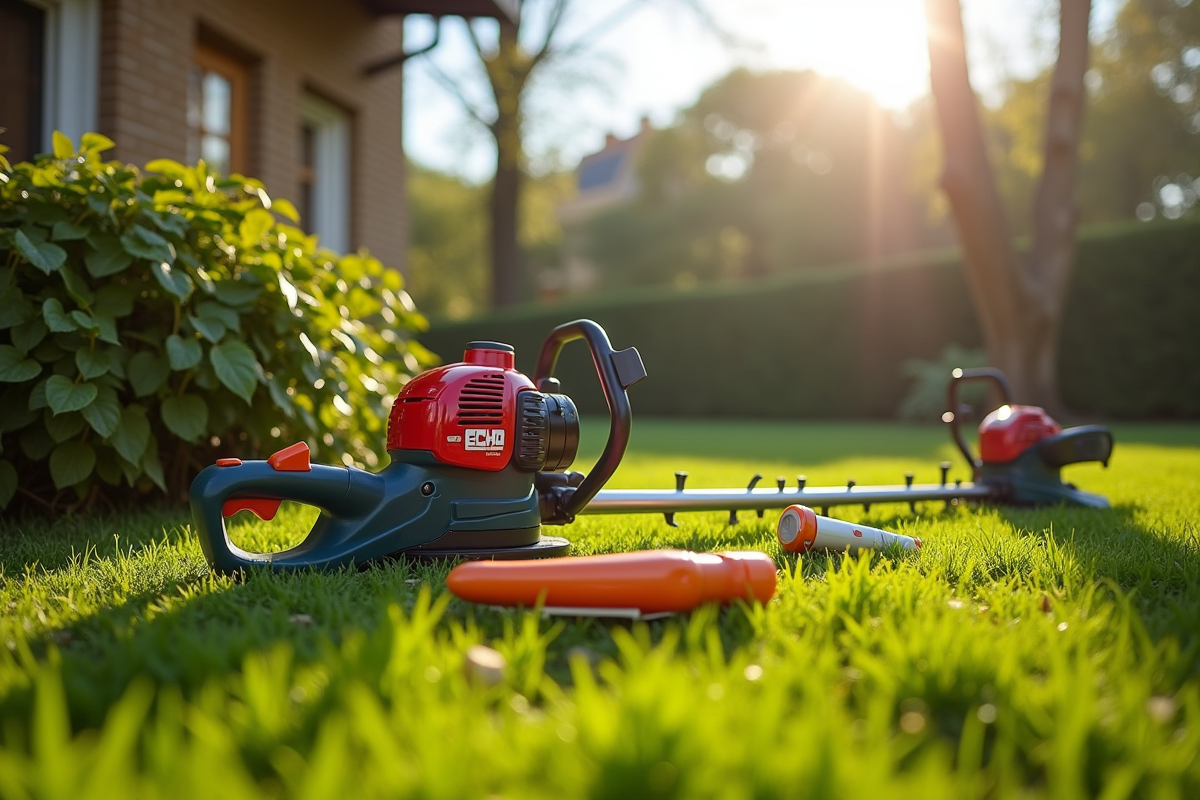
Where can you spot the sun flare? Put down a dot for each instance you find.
(878, 45)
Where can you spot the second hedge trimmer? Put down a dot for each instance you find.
(479, 455)
(1021, 452)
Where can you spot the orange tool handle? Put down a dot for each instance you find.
(651, 581)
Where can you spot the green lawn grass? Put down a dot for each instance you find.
(1021, 653)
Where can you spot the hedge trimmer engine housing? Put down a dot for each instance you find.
(1022, 450)
(477, 458)
(483, 414)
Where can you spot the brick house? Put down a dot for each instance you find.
(280, 90)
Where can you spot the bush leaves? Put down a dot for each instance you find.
(238, 292)
(141, 242)
(67, 231)
(63, 395)
(183, 353)
(46, 256)
(255, 225)
(147, 372)
(62, 146)
(215, 312)
(15, 367)
(71, 463)
(63, 426)
(114, 300)
(236, 367)
(95, 143)
(29, 335)
(14, 309)
(186, 416)
(152, 466)
(208, 327)
(56, 317)
(132, 434)
(106, 257)
(177, 293)
(93, 363)
(104, 414)
(175, 281)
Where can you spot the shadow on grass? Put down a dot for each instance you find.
(53, 543)
(1159, 569)
(185, 627)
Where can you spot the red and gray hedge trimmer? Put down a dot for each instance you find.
(479, 455)
(1021, 452)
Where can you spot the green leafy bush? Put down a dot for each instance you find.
(150, 322)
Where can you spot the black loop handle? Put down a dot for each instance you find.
(617, 370)
(977, 375)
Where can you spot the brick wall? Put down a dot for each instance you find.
(291, 46)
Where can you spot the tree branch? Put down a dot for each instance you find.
(585, 39)
(475, 40)
(728, 39)
(452, 86)
(556, 16)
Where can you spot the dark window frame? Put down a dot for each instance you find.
(28, 142)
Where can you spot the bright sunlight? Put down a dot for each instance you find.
(878, 45)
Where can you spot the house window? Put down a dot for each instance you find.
(324, 172)
(22, 72)
(217, 108)
(308, 171)
(49, 63)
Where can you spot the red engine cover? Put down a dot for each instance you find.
(1010, 430)
(465, 414)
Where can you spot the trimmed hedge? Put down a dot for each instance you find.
(830, 343)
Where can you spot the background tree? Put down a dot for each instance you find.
(767, 172)
(1141, 142)
(447, 249)
(525, 46)
(1140, 150)
(1018, 300)
(447, 263)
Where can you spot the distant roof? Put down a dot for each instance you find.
(446, 8)
(600, 169)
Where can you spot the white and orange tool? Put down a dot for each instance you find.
(801, 529)
(616, 584)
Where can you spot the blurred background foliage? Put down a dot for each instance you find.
(778, 172)
(869, 339)
(447, 255)
(765, 173)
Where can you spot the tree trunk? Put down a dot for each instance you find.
(1052, 250)
(508, 73)
(506, 251)
(1019, 301)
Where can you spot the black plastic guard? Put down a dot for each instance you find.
(1076, 445)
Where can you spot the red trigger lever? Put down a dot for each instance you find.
(290, 459)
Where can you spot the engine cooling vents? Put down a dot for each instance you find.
(481, 401)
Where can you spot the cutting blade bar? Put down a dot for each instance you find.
(646, 501)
